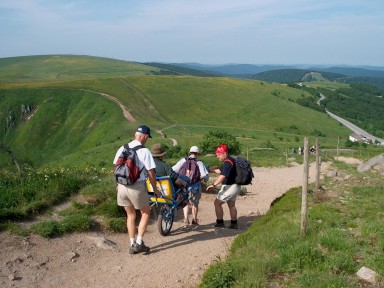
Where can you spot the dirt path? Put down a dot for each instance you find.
(178, 260)
(126, 113)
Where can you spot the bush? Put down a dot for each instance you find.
(215, 138)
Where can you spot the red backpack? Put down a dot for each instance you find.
(127, 168)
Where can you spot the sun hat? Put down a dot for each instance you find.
(145, 130)
(194, 149)
(157, 150)
(221, 149)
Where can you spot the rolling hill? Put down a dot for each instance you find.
(53, 108)
(67, 67)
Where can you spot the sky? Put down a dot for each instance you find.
(323, 32)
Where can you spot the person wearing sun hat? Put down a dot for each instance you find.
(162, 168)
(135, 196)
(229, 189)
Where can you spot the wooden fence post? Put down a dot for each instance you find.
(317, 182)
(304, 201)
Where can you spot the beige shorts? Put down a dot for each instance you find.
(229, 192)
(135, 195)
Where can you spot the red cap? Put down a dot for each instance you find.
(221, 149)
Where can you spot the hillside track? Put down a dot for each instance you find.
(174, 141)
(126, 113)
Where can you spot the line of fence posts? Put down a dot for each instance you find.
(318, 167)
(304, 193)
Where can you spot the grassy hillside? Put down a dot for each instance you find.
(66, 67)
(61, 122)
(77, 125)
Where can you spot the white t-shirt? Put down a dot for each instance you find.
(204, 174)
(144, 155)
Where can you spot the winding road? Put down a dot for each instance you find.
(351, 126)
(354, 128)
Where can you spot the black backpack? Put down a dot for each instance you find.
(127, 169)
(244, 173)
(190, 169)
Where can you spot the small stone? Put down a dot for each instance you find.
(72, 256)
(12, 277)
(367, 274)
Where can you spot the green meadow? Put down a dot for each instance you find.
(72, 119)
(66, 68)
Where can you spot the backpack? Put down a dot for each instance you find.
(126, 168)
(244, 173)
(190, 169)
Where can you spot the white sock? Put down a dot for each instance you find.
(139, 240)
(132, 241)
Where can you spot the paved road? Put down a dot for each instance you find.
(354, 128)
(349, 125)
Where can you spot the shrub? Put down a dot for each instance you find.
(214, 138)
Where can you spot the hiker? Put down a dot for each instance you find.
(229, 189)
(312, 149)
(135, 196)
(163, 169)
(301, 151)
(198, 174)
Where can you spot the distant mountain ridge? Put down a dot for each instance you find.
(234, 69)
(292, 73)
(238, 69)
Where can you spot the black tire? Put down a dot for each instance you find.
(165, 220)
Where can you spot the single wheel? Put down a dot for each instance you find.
(165, 220)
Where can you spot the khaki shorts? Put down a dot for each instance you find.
(135, 195)
(229, 192)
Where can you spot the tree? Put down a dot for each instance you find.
(212, 139)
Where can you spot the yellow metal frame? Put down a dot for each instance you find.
(165, 186)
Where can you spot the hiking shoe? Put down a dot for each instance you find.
(186, 221)
(136, 248)
(195, 221)
(233, 226)
(219, 225)
(131, 249)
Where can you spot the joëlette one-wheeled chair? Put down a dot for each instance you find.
(173, 197)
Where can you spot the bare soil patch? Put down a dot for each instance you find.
(349, 160)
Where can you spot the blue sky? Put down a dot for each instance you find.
(328, 32)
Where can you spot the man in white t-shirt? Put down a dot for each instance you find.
(135, 196)
(195, 192)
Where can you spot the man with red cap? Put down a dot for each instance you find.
(229, 189)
